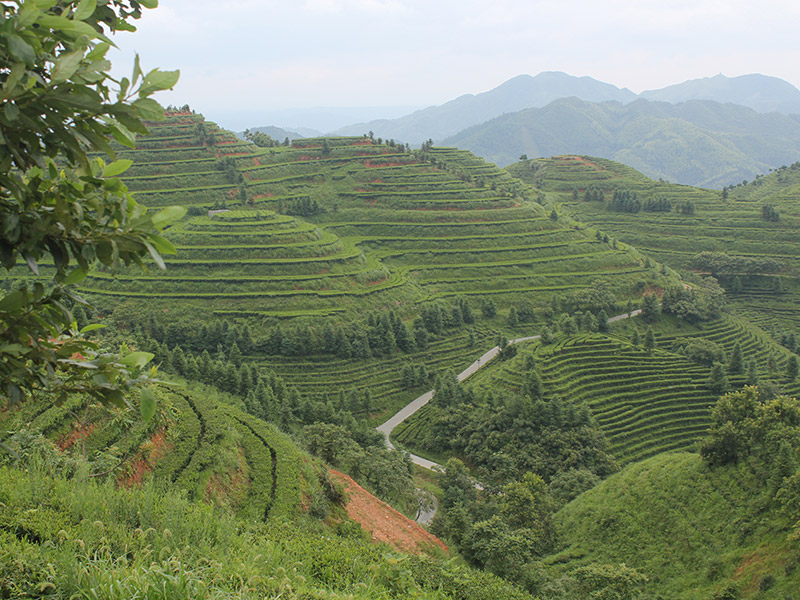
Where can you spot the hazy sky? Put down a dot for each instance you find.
(252, 55)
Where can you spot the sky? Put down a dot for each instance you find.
(241, 60)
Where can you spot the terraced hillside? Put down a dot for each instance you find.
(764, 245)
(327, 232)
(209, 448)
(645, 402)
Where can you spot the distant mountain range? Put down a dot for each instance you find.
(698, 142)
(759, 92)
(524, 91)
(278, 133)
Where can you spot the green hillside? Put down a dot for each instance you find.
(331, 235)
(208, 502)
(762, 254)
(644, 401)
(696, 532)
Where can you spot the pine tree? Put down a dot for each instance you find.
(649, 339)
(635, 339)
(602, 321)
(736, 362)
(366, 402)
(533, 386)
(736, 285)
(752, 372)
(718, 381)
(466, 311)
(651, 310)
(246, 340)
(235, 355)
(513, 320)
(772, 365)
(178, 361)
(792, 368)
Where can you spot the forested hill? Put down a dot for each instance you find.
(698, 142)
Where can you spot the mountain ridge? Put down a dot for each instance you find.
(698, 142)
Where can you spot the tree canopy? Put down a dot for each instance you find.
(61, 205)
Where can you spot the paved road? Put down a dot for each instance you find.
(425, 517)
(416, 404)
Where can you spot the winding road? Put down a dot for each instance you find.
(416, 404)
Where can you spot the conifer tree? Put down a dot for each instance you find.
(513, 320)
(718, 381)
(651, 310)
(792, 368)
(736, 362)
(649, 339)
(235, 355)
(602, 321)
(635, 340)
(752, 372)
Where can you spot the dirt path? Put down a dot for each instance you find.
(383, 522)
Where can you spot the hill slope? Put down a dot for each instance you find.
(766, 251)
(691, 529)
(699, 142)
(331, 239)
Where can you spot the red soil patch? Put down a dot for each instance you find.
(383, 522)
(147, 459)
(650, 289)
(69, 440)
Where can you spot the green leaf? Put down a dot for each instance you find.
(148, 405)
(92, 327)
(136, 359)
(168, 216)
(20, 49)
(149, 3)
(12, 302)
(162, 244)
(14, 77)
(156, 256)
(76, 276)
(66, 65)
(31, 262)
(157, 80)
(85, 9)
(11, 111)
(64, 25)
(15, 349)
(137, 70)
(149, 109)
(117, 167)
